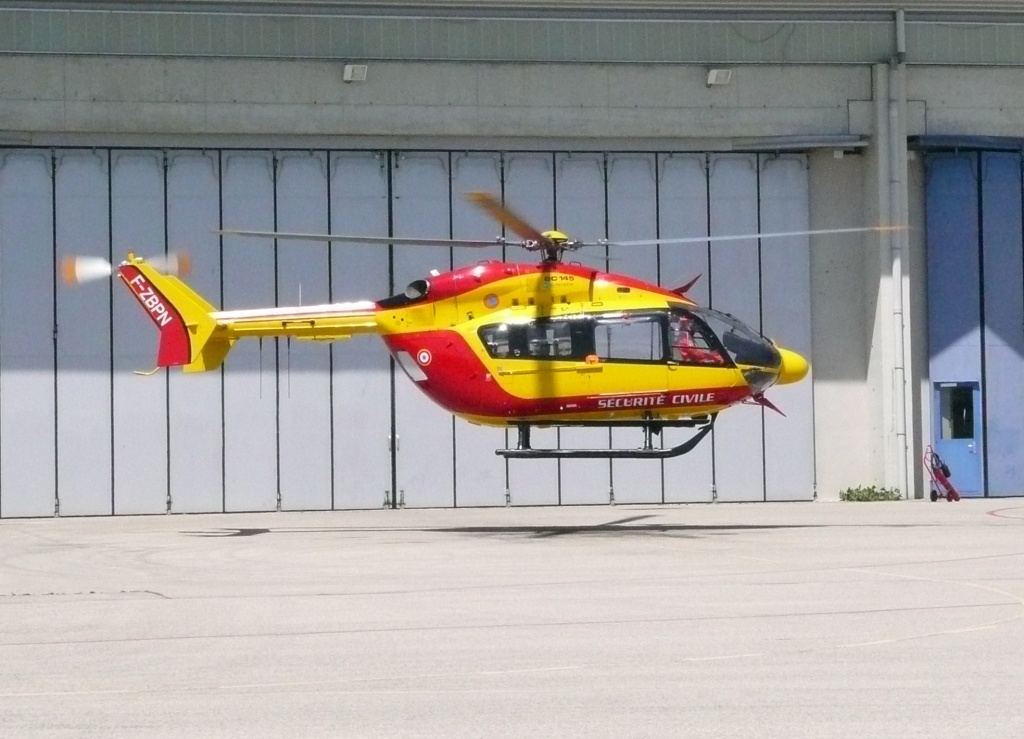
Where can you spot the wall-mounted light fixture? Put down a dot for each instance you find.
(354, 73)
(718, 77)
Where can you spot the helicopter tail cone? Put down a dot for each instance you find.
(794, 367)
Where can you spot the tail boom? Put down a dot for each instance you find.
(197, 337)
(328, 322)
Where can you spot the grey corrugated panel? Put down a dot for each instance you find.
(965, 43)
(264, 35)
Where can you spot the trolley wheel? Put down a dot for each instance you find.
(935, 496)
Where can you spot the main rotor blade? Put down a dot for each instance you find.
(345, 238)
(518, 225)
(738, 237)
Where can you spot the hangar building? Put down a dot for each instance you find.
(151, 126)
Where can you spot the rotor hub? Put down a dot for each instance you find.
(555, 236)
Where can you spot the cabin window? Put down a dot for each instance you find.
(558, 339)
(678, 336)
(496, 340)
(548, 340)
(630, 337)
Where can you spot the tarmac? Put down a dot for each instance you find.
(747, 620)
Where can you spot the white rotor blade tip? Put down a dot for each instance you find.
(85, 269)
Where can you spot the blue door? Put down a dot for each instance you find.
(957, 434)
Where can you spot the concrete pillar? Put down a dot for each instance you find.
(887, 278)
(899, 260)
(876, 283)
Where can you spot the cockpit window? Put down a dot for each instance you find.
(744, 345)
(690, 341)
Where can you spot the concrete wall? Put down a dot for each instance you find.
(977, 101)
(46, 95)
(845, 414)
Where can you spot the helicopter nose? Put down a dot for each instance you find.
(793, 368)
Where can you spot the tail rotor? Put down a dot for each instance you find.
(77, 270)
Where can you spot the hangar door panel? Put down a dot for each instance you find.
(683, 213)
(786, 319)
(1003, 264)
(27, 427)
(195, 422)
(84, 472)
(424, 441)
(479, 472)
(529, 191)
(304, 378)
(633, 214)
(580, 206)
(250, 372)
(735, 288)
(140, 403)
(954, 316)
(361, 376)
(954, 291)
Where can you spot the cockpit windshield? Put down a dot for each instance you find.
(744, 345)
(691, 341)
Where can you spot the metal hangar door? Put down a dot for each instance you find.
(975, 304)
(288, 425)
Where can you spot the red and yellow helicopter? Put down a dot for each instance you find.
(505, 344)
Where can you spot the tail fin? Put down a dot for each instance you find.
(187, 328)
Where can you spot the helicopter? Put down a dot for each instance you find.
(514, 345)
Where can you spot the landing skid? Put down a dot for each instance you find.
(523, 449)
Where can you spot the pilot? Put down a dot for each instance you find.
(689, 343)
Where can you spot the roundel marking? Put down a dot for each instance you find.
(423, 357)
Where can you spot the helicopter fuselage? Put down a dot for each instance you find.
(502, 344)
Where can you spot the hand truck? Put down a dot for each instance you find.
(942, 487)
